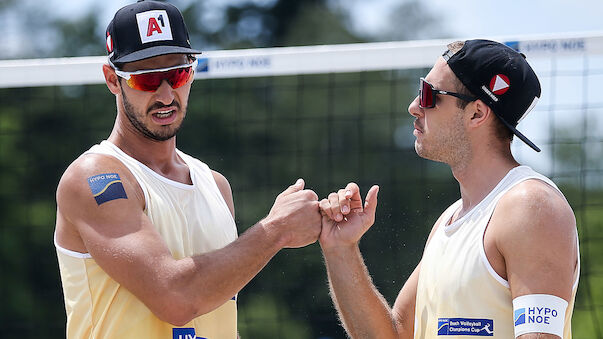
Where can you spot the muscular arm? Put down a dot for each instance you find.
(534, 230)
(122, 240)
(362, 309)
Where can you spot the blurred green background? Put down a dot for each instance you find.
(262, 134)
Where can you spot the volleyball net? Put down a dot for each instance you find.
(265, 117)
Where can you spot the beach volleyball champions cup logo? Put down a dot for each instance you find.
(466, 326)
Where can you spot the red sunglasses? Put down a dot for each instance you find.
(149, 80)
(427, 94)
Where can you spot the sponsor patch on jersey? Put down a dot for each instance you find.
(466, 326)
(106, 187)
(185, 333)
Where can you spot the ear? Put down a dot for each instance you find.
(480, 114)
(111, 79)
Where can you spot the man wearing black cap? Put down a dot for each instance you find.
(145, 234)
(500, 262)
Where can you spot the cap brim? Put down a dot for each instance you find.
(519, 135)
(155, 51)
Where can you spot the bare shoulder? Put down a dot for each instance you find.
(75, 184)
(534, 230)
(535, 207)
(224, 187)
(90, 182)
(221, 180)
(92, 189)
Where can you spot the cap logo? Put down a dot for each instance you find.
(154, 26)
(109, 43)
(499, 84)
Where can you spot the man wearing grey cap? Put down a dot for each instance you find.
(145, 234)
(500, 262)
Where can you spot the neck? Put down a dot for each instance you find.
(480, 175)
(160, 156)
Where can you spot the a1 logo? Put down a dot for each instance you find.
(154, 26)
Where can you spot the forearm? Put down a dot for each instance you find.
(362, 309)
(205, 282)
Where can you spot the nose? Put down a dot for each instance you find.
(165, 93)
(414, 109)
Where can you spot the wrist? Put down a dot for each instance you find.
(273, 232)
(340, 250)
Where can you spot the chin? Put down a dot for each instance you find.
(425, 154)
(419, 149)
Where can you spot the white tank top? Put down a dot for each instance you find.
(192, 219)
(458, 290)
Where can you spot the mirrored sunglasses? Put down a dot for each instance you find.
(427, 94)
(149, 80)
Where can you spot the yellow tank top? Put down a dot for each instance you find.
(192, 219)
(459, 293)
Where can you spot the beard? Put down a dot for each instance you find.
(450, 145)
(135, 118)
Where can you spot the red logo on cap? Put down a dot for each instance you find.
(154, 26)
(109, 43)
(499, 84)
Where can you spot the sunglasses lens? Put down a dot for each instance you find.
(149, 82)
(180, 76)
(425, 95)
(145, 82)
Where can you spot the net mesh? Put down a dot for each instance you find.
(263, 133)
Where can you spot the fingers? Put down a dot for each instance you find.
(334, 206)
(370, 204)
(325, 208)
(337, 205)
(350, 199)
(309, 195)
(298, 186)
(352, 189)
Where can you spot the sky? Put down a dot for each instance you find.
(473, 18)
(458, 18)
(461, 18)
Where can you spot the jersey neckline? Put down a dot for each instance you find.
(155, 174)
(451, 228)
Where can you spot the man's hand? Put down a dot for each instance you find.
(295, 216)
(344, 218)
(363, 311)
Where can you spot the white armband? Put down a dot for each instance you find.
(539, 313)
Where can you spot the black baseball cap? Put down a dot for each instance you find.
(146, 29)
(499, 76)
